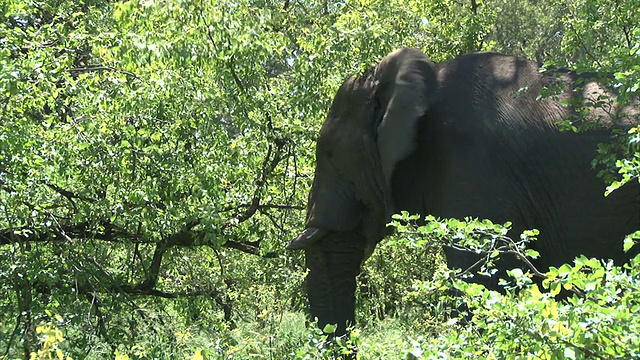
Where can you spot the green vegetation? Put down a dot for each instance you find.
(155, 159)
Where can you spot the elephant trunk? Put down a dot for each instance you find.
(333, 264)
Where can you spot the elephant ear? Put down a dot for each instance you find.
(407, 88)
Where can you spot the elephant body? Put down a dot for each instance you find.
(467, 137)
(502, 157)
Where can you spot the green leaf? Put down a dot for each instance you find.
(564, 270)
(329, 328)
(532, 253)
(569, 353)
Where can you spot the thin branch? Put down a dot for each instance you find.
(474, 7)
(174, 295)
(509, 248)
(111, 233)
(100, 67)
(73, 231)
(529, 264)
(147, 286)
(263, 207)
(236, 78)
(248, 249)
(274, 222)
(627, 37)
(582, 44)
(268, 166)
(13, 335)
(104, 272)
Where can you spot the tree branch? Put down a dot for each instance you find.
(112, 233)
(100, 67)
(268, 166)
(474, 7)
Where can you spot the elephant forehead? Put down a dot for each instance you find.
(354, 84)
(349, 118)
(350, 115)
(346, 131)
(353, 93)
(334, 139)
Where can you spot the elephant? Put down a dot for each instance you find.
(469, 137)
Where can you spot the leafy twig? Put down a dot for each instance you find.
(100, 67)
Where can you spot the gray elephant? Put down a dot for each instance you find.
(466, 137)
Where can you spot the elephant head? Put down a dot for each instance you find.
(370, 127)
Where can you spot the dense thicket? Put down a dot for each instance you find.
(155, 158)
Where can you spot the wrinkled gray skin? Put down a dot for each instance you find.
(466, 137)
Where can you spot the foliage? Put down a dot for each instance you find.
(155, 158)
(527, 321)
(50, 337)
(385, 281)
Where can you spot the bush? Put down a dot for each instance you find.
(527, 321)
